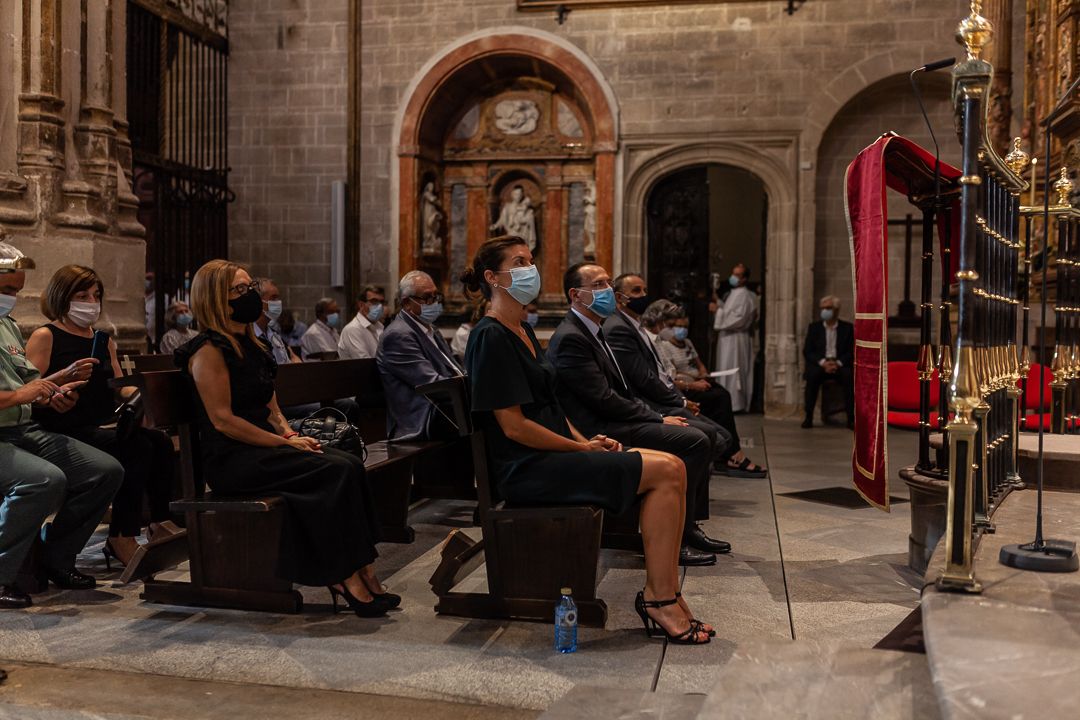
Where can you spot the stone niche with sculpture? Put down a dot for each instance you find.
(512, 149)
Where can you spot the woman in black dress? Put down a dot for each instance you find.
(330, 526)
(536, 456)
(72, 301)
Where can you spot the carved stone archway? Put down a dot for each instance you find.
(773, 162)
(438, 100)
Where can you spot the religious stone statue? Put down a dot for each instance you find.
(431, 215)
(590, 220)
(517, 217)
(516, 117)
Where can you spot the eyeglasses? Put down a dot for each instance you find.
(428, 299)
(598, 285)
(241, 290)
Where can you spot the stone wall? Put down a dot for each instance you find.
(888, 105)
(288, 71)
(65, 158)
(739, 83)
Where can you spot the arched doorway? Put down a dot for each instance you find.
(506, 132)
(701, 220)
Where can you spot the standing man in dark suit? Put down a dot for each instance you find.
(412, 353)
(597, 398)
(830, 355)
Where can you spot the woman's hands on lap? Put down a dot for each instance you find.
(602, 443)
(307, 444)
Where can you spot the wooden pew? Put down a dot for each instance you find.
(233, 541)
(530, 553)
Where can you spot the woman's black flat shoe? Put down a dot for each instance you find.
(374, 608)
(653, 629)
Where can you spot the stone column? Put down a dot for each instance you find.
(999, 53)
(60, 206)
(127, 203)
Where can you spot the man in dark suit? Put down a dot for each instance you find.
(596, 396)
(830, 356)
(412, 353)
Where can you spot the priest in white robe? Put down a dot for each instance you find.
(735, 318)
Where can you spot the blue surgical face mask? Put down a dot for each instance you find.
(827, 314)
(681, 333)
(524, 284)
(430, 313)
(273, 309)
(375, 312)
(734, 280)
(183, 320)
(7, 304)
(532, 318)
(333, 320)
(603, 302)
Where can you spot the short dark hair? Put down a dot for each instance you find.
(618, 282)
(746, 271)
(370, 289)
(66, 282)
(572, 277)
(320, 307)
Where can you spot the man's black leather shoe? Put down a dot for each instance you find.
(71, 579)
(12, 599)
(689, 557)
(697, 539)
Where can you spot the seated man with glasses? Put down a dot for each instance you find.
(412, 353)
(598, 399)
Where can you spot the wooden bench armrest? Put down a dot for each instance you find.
(454, 389)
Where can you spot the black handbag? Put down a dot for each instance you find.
(331, 431)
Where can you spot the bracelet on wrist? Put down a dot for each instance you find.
(290, 434)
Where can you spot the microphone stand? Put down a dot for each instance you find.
(1043, 555)
(923, 465)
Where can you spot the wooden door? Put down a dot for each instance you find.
(678, 248)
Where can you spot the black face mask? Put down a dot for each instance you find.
(247, 308)
(638, 305)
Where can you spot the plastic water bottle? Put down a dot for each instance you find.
(566, 623)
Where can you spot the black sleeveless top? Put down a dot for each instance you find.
(97, 402)
(251, 385)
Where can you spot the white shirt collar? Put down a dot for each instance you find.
(424, 327)
(593, 327)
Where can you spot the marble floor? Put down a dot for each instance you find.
(807, 592)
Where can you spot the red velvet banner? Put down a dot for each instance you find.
(897, 163)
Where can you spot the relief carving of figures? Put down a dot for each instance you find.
(432, 218)
(1064, 59)
(590, 220)
(517, 217)
(516, 117)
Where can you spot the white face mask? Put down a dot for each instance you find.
(84, 314)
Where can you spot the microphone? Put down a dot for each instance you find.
(931, 67)
(937, 65)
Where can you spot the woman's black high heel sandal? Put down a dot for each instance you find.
(110, 555)
(701, 625)
(392, 600)
(375, 608)
(655, 630)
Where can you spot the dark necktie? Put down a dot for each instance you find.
(611, 357)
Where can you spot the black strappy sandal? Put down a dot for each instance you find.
(655, 630)
(700, 625)
(743, 469)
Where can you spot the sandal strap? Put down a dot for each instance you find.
(658, 603)
(694, 629)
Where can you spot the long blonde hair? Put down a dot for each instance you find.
(210, 299)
